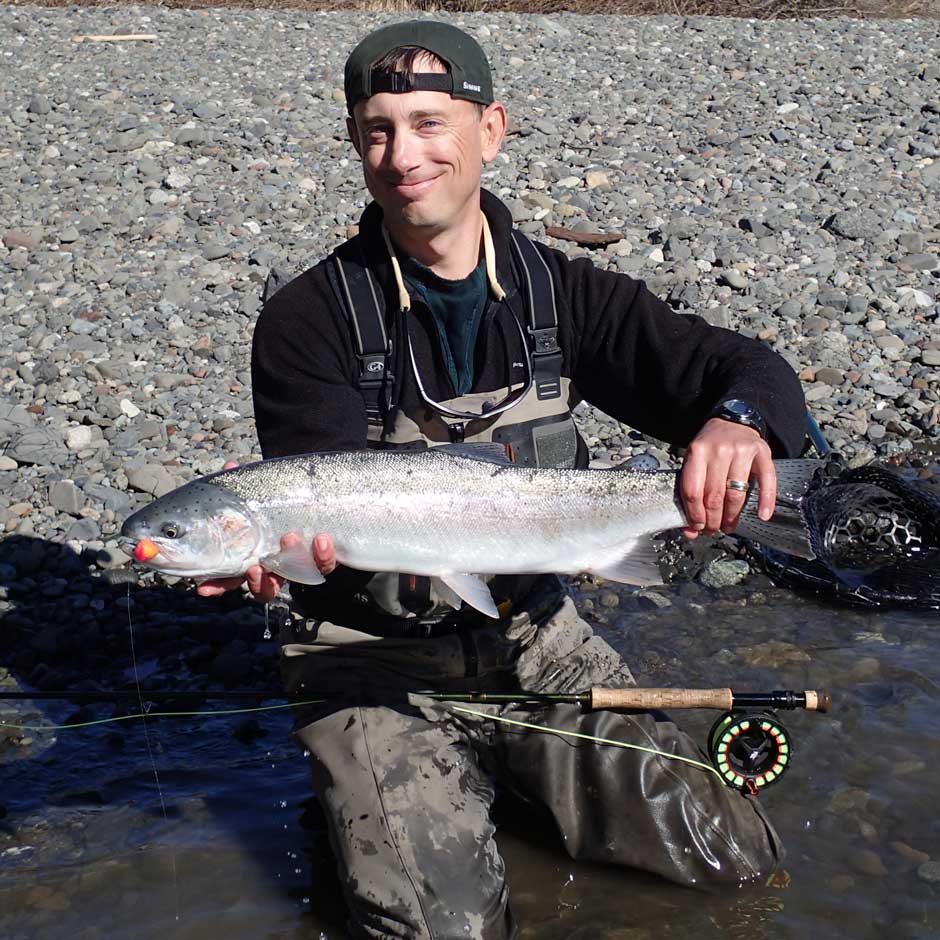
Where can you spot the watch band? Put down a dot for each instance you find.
(740, 412)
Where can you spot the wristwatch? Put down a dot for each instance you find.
(740, 412)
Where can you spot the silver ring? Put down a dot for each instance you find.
(738, 485)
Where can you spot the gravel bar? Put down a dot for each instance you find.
(781, 178)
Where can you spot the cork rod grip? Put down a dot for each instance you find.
(820, 701)
(662, 698)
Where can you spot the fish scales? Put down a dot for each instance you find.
(427, 513)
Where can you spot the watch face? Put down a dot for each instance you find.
(738, 407)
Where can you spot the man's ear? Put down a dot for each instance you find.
(353, 132)
(492, 130)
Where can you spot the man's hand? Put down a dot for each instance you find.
(265, 585)
(720, 452)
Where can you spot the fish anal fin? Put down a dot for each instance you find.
(638, 565)
(294, 563)
(467, 587)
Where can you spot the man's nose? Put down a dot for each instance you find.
(402, 152)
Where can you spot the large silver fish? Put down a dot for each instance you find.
(447, 513)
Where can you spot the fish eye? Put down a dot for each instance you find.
(170, 529)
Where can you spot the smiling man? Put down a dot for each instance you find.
(440, 323)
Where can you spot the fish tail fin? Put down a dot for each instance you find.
(787, 530)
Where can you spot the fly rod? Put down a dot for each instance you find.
(749, 749)
(596, 698)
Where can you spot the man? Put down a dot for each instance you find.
(456, 304)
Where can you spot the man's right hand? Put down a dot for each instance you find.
(263, 584)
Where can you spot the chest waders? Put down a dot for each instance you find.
(531, 420)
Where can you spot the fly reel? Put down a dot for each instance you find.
(750, 751)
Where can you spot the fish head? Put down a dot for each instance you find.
(197, 531)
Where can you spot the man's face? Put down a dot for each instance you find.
(422, 154)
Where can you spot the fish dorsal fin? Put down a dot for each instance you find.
(468, 587)
(489, 451)
(294, 563)
(638, 565)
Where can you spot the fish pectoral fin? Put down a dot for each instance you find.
(639, 565)
(471, 588)
(295, 563)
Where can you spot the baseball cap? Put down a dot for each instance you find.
(469, 75)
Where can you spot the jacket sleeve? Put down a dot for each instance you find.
(662, 372)
(303, 373)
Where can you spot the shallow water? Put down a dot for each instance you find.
(87, 853)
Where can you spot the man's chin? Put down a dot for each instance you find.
(414, 215)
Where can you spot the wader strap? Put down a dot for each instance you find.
(543, 318)
(365, 308)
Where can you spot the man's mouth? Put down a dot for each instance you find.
(412, 188)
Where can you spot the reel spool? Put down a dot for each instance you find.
(750, 751)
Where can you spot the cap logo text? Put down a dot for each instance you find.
(468, 87)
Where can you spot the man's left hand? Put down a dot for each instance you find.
(720, 452)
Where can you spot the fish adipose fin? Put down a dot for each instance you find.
(295, 563)
(455, 588)
(639, 566)
(786, 530)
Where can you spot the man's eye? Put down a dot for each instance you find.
(430, 125)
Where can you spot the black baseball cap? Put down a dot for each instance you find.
(469, 75)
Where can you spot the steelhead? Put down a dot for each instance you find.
(448, 513)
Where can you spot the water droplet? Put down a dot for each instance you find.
(687, 851)
(282, 804)
(267, 635)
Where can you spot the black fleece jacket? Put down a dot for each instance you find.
(624, 350)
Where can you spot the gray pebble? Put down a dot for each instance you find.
(929, 872)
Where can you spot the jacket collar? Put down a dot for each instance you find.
(497, 214)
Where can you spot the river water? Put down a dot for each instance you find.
(230, 844)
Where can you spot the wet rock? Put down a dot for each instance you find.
(652, 600)
(724, 572)
(848, 801)
(842, 883)
(773, 653)
(910, 855)
(867, 862)
(929, 872)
